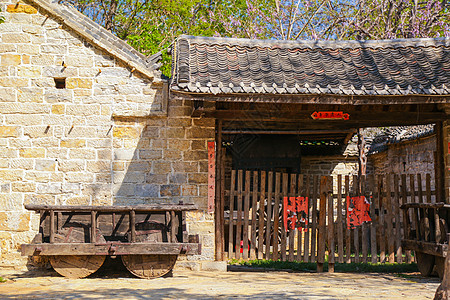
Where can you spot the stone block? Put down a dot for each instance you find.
(156, 178)
(178, 178)
(7, 94)
(39, 199)
(150, 154)
(172, 155)
(4, 48)
(205, 122)
(13, 82)
(54, 49)
(21, 8)
(161, 167)
(183, 166)
(126, 132)
(10, 59)
(77, 177)
(175, 132)
(12, 201)
(29, 71)
(30, 94)
(151, 132)
(11, 175)
(49, 188)
(58, 95)
(73, 143)
(27, 49)
(214, 266)
(179, 122)
(8, 153)
(58, 109)
(195, 155)
(79, 61)
(79, 200)
(9, 131)
(16, 38)
(124, 154)
(83, 109)
(198, 178)
(198, 145)
(104, 154)
(179, 144)
(60, 72)
(139, 166)
(81, 83)
(187, 265)
(24, 163)
(169, 190)
(147, 190)
(98, 166)
(189, 190)
(200, 132)
(32, 152)
(38, 131)
(45, 165)
(15, 221)
(82, 154)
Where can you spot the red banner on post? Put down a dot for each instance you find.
(357, 211)
(211, 175)
(295, 213)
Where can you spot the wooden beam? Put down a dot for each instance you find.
(110, 248)
(219, 217)
(426, 247)
(298, 132)
(319, 99)
(88, 209)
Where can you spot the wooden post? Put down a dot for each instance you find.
(94, 226)
(52, 226)
(439, 166)
(331, 242)
(218, 216)
(133, 225)
(173, 233)
(322, 223)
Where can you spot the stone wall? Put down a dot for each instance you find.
(413, 157)
(103, 139)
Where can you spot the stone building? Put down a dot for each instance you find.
(86, 119)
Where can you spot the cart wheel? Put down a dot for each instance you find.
(440, 265)
(425, 263)
(76, 266)
(149, 266)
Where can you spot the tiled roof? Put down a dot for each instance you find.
(243, 66)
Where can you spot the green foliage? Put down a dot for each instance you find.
(308, 267)
(2, 279)
(2, 19)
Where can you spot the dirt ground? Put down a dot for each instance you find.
(118, 284)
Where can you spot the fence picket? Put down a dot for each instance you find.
(276, 215)
(292, 231)
(340, 232)
(254, 221)
(373, 224)
(348, 243)
(398, 234)
(239, 217)
(231, 215)
(314, 218)
(261, 215)
(307, 190)
(269, 214)
(285, 181)
(381, 227)
(245, 232)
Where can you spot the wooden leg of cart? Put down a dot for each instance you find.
(149, 266)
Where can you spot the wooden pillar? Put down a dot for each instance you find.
(219, 224)
(443, 291)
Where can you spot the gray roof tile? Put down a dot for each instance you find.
(386, 67)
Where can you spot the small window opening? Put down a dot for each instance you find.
(60, 83)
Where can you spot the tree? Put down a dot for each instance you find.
(152, 26)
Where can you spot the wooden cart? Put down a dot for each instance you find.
(77, 239)
(426, 232)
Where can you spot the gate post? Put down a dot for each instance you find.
(446, 153)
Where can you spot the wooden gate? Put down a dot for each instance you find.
(255, 222)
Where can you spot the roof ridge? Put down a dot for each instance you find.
(98, 36)
(320, 44)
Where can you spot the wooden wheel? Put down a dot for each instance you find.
(76, 266)
(439, 263)
(425, 263)
(149, 266)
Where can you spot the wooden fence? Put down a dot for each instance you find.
(254, 224)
